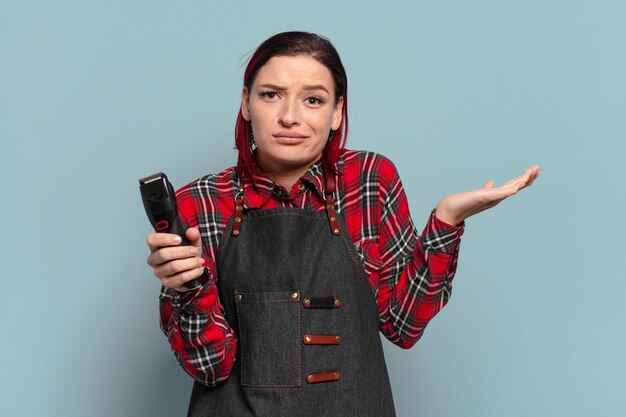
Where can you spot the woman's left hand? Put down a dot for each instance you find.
(455, 208)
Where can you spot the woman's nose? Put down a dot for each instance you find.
(289, 114)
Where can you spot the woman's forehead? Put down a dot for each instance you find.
(294, 72)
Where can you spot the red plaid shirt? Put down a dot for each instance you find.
(410, 274)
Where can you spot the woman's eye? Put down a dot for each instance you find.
(268, 94)
(314, 101)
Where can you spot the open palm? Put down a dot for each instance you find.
(455, 208)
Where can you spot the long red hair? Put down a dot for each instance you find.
(292, 44)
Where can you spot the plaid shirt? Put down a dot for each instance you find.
(410, 274)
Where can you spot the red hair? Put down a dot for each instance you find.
(292, 44)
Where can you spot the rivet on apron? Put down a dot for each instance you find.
(337, 302)
(338, 338)
(336, 231)
(307, 339)
(238, 219)
(294, 295)
(238, 296)
(236, 232)
(310, 378)
(307, 302)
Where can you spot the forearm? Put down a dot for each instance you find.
(417, 287)
(199, 335)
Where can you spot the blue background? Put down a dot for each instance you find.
(94, 95)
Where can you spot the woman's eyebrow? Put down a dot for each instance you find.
(306, 87)
(315, 87)
(273, 87)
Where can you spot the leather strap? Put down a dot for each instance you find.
(322, 339)
(321, 302)
(323, 377)
(236, 229)
(329, 200)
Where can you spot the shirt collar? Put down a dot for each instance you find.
(257, 191)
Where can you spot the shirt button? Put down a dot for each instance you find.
(301, 187)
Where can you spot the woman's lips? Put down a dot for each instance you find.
(290, 138)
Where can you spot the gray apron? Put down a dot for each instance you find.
(296, 294)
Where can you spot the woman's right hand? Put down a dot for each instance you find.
(172, 264)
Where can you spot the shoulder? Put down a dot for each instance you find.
(209, 193)
(367, 164)
(210, 185)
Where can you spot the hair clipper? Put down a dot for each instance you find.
(159, 200)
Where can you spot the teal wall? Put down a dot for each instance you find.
(94, 95)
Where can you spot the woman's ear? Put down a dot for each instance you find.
(245, 98)
(337, 114)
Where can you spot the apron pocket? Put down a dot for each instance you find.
(269, 338)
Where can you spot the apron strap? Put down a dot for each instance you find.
(329, 201)
(236, 229)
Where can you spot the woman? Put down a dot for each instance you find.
(306, 251)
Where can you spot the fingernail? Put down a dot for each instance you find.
(200, 261)
(177, 239)
(193, 251)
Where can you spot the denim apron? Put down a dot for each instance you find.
(296, 294)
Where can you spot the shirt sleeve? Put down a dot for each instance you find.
(416, 271)
(194, 321)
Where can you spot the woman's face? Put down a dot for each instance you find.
(291, 105)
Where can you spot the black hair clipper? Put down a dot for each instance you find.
(159, 200)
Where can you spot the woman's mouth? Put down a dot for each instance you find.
(289, 138)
